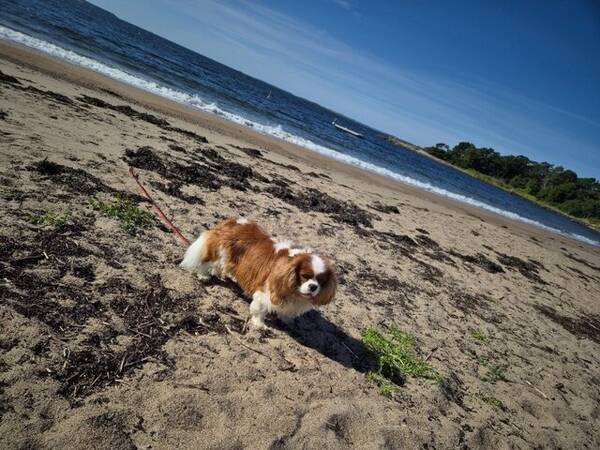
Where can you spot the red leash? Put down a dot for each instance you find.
(157, 209)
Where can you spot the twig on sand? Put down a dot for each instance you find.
(136, 362)
(139, 332)
(536, 389)
(191, 386)
(245, 325)
(243, 344)
(235, 316)
(95, 381)
(431, 353)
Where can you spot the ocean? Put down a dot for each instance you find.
(83, 34)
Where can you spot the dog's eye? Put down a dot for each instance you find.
(304, 276)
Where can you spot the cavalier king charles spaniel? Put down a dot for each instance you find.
(281, 278)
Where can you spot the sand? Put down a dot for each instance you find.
(106, 343)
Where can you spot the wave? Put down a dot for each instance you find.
(276, 131)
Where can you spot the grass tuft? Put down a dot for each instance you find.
(57, 221)
(492, 401)
(386, 387)
(480, 336)
(395, 357)
(131, 217)
(494, 373)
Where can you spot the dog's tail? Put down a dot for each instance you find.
(194, 255)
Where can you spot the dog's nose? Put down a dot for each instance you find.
(312, 287)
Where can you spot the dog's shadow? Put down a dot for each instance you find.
(315, 331)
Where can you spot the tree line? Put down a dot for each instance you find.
(553, 185)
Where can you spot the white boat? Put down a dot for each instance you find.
(346, 130)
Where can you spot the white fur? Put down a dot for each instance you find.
(243, 221)
(318, 264)
(193, 255)
(192, 260)
(287, 311)
(259, 308)
(281, 245)
(299, 251)
(220, 264)
(305, 287)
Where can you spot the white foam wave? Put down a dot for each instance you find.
(277, 131)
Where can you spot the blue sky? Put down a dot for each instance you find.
(520, 76)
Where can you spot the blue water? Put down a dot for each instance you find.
(84, 34)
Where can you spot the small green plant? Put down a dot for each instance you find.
(395, 357)
(494, 373)
(492, 401)
(386, 387)
(131, 217)
(57, 221)
(480, 336)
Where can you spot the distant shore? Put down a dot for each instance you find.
(491, 180)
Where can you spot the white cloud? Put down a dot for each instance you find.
(343, 3)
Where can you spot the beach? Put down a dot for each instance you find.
(106, 343)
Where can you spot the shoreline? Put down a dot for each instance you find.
(85, 77)
(489, 180)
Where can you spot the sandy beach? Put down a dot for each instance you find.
(106, 343)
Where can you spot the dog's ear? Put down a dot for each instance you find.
(327, 291)
(282, 280)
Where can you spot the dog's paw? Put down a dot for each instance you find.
(256, 323)
(203, 277)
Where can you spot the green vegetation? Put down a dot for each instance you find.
(386, 387)
(131, 217)
(494, 373)
(480, 336)
(57, 221)
(552, 186)
(492, 401)
(395, 357)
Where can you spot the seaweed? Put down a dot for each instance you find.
(479, 260)
(586, 327)
(77, 181)
(146, 117)
(478, 305)
(253, 152)
(529, 269)
(9, 79)
(583, 261)
(386, 209)
(174, 189)
(151, 316)
(313, 200)
(53, 96)
(213, 172)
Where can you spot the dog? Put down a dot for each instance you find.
(281, 278)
